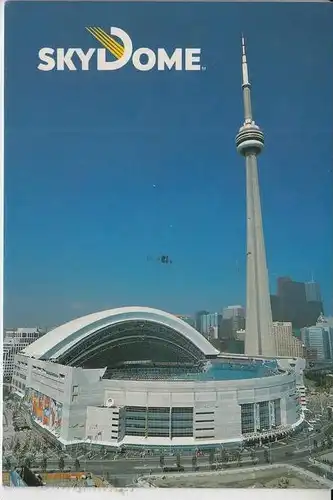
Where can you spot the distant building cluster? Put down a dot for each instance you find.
(297, 302)
(223, 326)
(296, 328)
(14, 340)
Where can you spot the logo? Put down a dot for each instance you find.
(115, 51)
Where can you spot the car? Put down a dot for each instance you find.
(173, 468)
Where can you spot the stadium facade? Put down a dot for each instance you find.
(137, 376)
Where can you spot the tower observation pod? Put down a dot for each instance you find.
(259, 338)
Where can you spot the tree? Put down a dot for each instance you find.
(77, 465)
(44, 464)
(238, 457)
(224, 456)
(25, 448)
(16, 447)
(61, 463)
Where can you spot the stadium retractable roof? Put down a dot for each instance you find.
(109, 331)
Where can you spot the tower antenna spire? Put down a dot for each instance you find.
(259, 338)
(246, 86)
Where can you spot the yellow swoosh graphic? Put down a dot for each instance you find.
(116, 49)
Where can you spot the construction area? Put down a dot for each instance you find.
(272, 476)
(66, 479)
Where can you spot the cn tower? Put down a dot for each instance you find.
(259, 338)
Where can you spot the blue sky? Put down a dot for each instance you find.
(83, 151)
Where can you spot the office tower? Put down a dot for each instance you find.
(250, 142)
(318, 338)
(285, 343)
(198, 320)
(211, 324)
(291, 304)
(233, 311)
(13, 342)
(312, 291)
(233, 319)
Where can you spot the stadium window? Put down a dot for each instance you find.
(204, 437)
(205, 429)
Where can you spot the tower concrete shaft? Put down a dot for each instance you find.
(259, 339)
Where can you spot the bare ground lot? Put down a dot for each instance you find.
(274, 477)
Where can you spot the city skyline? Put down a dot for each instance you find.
(74, 242)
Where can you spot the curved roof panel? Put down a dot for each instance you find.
(61, 339)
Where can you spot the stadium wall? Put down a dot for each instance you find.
(77, 400)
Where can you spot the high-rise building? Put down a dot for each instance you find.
(325, 321)
(292, 303)
(233, 319)
(233, 311)
(198, 320)
(312, 291)
(318, 338)
(259, 338)
(285, 343)
(13, 342)
(211, 324)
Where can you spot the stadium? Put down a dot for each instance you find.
(138, 377)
